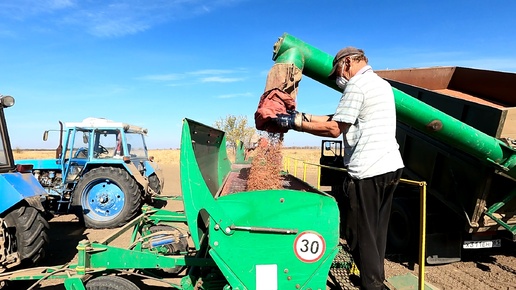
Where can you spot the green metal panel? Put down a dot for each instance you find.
(268, 223)
(253, 235)
(204, 165)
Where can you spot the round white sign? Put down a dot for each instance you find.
(309, 246)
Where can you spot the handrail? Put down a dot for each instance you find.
(422, 206)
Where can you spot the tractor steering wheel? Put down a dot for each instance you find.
(100, 150)
(81, 153)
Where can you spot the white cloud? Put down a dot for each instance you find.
(230, 96)
(200, 76)
(164, 77)
(110, 18)
(22, 9)
(218, 79)
(212, 72)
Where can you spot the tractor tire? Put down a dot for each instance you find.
(110, 283)
(154, 183)
(30, 229)
(108, 197)
(402, 234)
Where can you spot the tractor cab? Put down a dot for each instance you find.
(97, 141)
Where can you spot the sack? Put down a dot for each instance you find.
(271, 103)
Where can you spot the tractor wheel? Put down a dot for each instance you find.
(402, 234)
(110, 283)
(29, 228)
(174, 248)
(154, 183)
(108, 197)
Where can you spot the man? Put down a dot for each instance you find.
(366, 117)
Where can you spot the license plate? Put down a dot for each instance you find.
(482, 244)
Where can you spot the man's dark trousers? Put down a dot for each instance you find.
(366, 209)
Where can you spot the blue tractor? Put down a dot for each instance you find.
(23, 227)
(102, 172)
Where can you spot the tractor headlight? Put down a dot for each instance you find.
(7, 101)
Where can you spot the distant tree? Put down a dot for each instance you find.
(236, 128)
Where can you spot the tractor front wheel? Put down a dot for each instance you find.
(108, 197)
(154, 183)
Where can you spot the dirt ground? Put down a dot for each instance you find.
(480, 269)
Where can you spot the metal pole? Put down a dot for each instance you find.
(422, 236)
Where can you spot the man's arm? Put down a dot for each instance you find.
(319, 119)
(322, 126)
(328, 128)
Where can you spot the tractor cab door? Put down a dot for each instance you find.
(6, 154)
(77, 153)
(107, 145)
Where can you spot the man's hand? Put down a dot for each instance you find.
(292, 120)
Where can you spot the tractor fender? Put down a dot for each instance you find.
(153, 168)
(137, 176)
(16, 187)
(150, 168)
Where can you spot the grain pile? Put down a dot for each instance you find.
(266, 164)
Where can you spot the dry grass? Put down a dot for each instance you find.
(171, 156)
(34, 154)
(165, 156)
(308, 155)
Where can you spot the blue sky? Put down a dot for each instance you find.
(154, 62)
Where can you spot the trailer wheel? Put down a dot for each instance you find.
(402, 227)
(29, 227)
(174, 248)
(108, 197)
(110, 283)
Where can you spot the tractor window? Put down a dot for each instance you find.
(3, 155)
(136, 145)
(107, 144)
(80, 148)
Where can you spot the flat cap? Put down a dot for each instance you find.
(347, 51)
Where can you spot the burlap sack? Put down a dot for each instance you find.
(271, 103)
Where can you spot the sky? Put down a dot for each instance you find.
(153, 63)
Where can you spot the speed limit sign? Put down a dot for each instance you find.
(309, 246)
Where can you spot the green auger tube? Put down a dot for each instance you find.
(317, 65)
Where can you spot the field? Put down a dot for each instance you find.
(166, 157)
(480, 269)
